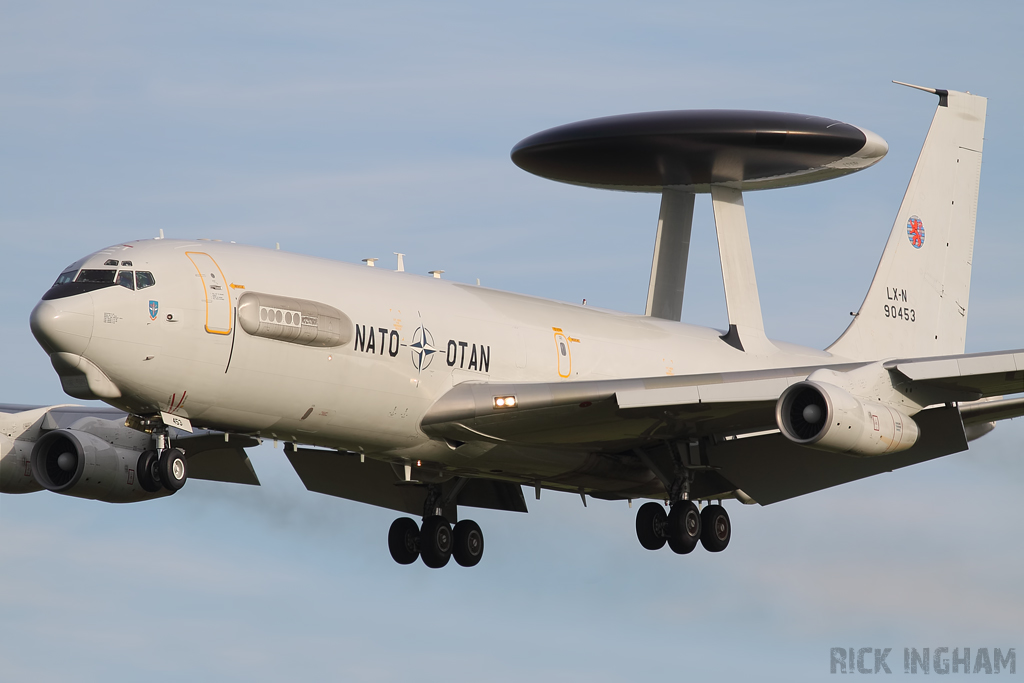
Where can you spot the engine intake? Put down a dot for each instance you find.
(76, 463)
(823, 416)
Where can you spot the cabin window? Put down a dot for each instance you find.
(126, 278)
(100, 276)
(561, 345)
(144, 279)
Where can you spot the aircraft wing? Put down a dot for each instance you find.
(738, 409)
(613, 415)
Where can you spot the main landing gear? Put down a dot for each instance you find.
(683, 526)
(436, 542)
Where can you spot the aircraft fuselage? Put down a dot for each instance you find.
(178, 345)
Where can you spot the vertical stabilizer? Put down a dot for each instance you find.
(918, 301)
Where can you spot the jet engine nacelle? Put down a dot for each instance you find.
(823, 416)
(16, 466)
(76, 463)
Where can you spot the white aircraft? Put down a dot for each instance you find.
(424, 395)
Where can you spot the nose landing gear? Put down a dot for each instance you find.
(166, 468)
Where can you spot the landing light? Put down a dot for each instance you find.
(504, 401)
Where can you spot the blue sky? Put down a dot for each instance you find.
(355, 131)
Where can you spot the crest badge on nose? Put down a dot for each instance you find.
(154, 307)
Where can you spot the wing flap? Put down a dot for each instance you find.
(344, 475)
(210, 458)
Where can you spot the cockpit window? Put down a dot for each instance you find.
(110, 262)
(66, 277)
(96, 276)
(126, 278)
(126, 263)
(144, 279)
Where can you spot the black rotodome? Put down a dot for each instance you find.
(689, 148)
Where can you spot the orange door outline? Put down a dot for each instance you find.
(564, 353)
(217, 293)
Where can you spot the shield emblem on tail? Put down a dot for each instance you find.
(154, 306)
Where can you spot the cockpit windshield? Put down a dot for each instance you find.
(98, 276)
(143, 279)
(66, 277)
(126, 278)
(73, 281)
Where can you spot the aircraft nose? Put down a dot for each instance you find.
(63, 324)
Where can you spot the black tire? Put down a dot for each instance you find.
(404, 540)
(436, 542)
(650, 525)
(147, 471)
(173, 469)
(468, 545)
(683, 529)
(716, 529)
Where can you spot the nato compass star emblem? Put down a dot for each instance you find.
(422, 348)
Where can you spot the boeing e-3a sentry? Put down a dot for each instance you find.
(427, 396)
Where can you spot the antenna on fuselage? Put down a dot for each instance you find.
(401, 262)
(370, 261)
(161, 234)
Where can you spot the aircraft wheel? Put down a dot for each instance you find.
(173, 469)
(404, 540)
(435, 542)
(650, 525)
(716, 529)
(147, 471)
(468, 546)
(683, 528)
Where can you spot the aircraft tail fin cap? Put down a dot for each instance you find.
(917, 303)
